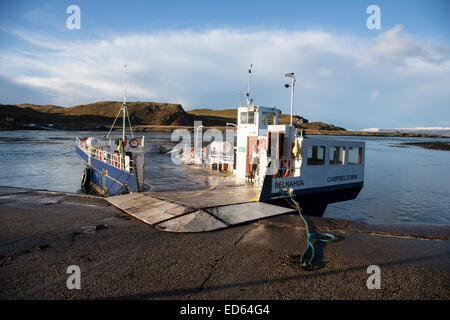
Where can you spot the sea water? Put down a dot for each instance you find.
(403, 184)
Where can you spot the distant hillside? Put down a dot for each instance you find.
(221, 117)
(98, 115)
(230, 115)
(443, 131)
(148, 116)
(143, 115)
(224, 113)
(320, 126)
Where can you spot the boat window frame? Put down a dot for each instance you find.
(359, 153)
(331, 155)
(320, 162)
(245, 119)
(264, 117)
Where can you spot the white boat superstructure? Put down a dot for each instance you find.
(276, 158)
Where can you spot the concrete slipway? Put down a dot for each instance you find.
(42, 233)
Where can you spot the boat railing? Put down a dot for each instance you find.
(220, 158)
(117, 160)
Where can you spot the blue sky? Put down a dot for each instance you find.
(196, 53)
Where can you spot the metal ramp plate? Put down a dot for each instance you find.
(246, 212)
(148, 209)
(199, 221)
(175, 217)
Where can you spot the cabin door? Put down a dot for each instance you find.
(278, 139)
(251, 148)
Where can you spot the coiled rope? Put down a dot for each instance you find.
(307, 257)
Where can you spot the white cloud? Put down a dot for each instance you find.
(325, 72)
(208, 69)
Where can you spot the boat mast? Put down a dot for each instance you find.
(124, 105)
(249, 100)
(123, 109)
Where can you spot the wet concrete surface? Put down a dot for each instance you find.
(42, 233)
(193, 185)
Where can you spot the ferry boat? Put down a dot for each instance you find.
(278, 160)
(113, 166)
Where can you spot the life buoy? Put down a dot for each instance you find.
(286, 174)
(134, 143)
(285, 167)
(83, 139)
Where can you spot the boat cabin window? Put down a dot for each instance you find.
(247, 117)
(354, 155)
(268, 118)
(337, 155)
(316, 155)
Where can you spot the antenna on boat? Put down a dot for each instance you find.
(124, 105)
(240, 99)
(249, 100)
(123, 108)
(291, 75)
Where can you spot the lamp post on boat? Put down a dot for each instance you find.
(291, 75)
(249, 100)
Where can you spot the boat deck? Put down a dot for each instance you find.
(181, 198)
(194, 185)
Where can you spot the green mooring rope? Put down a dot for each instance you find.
(309, 251)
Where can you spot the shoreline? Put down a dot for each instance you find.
(433, 145)
(159, 128)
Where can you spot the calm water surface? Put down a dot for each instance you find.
(402, 184)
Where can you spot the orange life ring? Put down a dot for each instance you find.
(285, 166)
(134, 143)
(286, 174)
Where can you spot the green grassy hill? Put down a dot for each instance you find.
(147, 116)
(100, 115)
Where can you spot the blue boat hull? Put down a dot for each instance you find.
(314, 201)
(106, 179)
